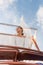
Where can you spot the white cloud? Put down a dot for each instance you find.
(8, 15)
(39, 15)
(5, 3)
(1, 2)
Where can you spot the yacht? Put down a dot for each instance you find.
(11, 54)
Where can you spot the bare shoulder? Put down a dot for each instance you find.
(24, 36)
(20, 36)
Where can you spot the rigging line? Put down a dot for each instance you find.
(16, 26)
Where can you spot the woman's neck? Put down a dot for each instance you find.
(20, 35)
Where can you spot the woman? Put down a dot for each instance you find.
(20, 31)
(23, 41)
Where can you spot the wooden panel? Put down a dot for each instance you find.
(27, 56)
(11, 52)
(8, 54)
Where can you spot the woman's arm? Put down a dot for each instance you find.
(33, 40)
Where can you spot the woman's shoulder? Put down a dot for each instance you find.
(24, 36)
(20, 36)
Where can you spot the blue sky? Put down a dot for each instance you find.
(27, 12)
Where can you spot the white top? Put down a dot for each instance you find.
(16, 41)
(23, 42)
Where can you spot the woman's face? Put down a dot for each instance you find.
(19, 30)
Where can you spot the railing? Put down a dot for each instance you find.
(16, 63)
(16, 26)
(14, 53)
(7, 37)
